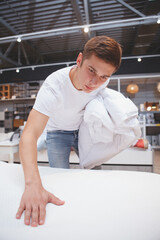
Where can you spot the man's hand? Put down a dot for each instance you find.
(33, 202)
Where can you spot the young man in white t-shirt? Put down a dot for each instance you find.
(60, 104)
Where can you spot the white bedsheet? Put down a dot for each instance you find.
(100, 205)
(109, 126)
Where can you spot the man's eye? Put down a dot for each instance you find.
(104, 78)
(91, 70)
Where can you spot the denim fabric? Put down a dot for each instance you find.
(41, 143)
(59, 145)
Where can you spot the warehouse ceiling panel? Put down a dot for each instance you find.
(53, 31)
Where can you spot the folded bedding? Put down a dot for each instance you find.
(110, 125)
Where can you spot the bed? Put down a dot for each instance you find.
(99, 205)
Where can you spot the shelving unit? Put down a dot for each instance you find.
(20, 90)
(32, 89)
(17, 112)
(16, 101)
(8, 122)
(26, 89)
(151, 131)
(5, 91)
(2, 118)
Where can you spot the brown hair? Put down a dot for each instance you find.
(104, 48)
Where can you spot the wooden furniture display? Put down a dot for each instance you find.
(5, 91)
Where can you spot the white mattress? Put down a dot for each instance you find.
(100, 205)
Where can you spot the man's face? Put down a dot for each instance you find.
(92, 73)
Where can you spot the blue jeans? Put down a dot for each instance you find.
(59, 145)
(41, 143)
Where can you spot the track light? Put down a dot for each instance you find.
(86, 29)
(158, 20)
(139, 59)
(19, 39)
(17, 70)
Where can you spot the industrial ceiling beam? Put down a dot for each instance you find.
(77, 11)
(131, 8)
(8, 26)
(93, 33)
(4, 56)
(90, 12)
(77, 29)
(9, 60)
(19, 55)
(60, 13)
(86, 10)
(25, 54)
(78, 14)
(73, 62)
(127, 23)
(9, 49)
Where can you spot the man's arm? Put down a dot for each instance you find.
(35, 197)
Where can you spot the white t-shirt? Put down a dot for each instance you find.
(62, 102)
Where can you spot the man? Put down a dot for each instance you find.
(60, 104)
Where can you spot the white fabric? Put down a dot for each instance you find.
(41, 142)
(101, 205)
(5, 136)
(62, 102)
(109, 126)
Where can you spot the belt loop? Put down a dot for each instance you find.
(76, 133)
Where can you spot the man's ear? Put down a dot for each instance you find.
(79, 59)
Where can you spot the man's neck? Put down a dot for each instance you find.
(74, 78)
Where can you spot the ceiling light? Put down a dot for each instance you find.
(86, 29)
(158, 20)
(154, 106)
(149, 108)
(158, 87)
(19, 39)
(17, 70)
(139, 59)
(132, 88)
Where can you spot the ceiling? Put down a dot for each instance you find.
(60, 23)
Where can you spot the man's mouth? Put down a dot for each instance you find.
(89, 88)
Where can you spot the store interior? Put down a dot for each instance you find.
(118, 198)
(37, 39)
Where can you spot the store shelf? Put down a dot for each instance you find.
(144, 112)
(18, 99)
(155, 147)
(153, 125)
(151, 131)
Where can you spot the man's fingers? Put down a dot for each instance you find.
(35, 215)
(42, 214)
(53, 199)
(19, 212)
(34, 202)
(27, 215)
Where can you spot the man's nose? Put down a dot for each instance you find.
(94, 80)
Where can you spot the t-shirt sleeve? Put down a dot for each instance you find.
(46, 100)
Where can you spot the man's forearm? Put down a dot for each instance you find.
(28, 157)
